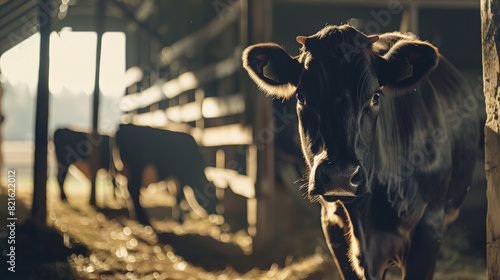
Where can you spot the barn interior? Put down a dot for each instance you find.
(176, 65)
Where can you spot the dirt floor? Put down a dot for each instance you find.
(104, 243)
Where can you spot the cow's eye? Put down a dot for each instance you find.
(376, 97)
(300, 97)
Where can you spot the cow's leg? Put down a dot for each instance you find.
(115, 186)
(206, 197)
(134, 187)
(180, 197)
(204, 190)
(337, 228)
(425, 247)
(62, 171)
(340, 248)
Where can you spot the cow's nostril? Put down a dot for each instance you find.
(356, 177)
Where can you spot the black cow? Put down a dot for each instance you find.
(172, 154)
(390, 151)
(71, 148)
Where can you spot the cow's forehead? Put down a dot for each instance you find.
(339, 76)
(341, 47)
(331, 40)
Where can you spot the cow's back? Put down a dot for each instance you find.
(67, 141)
(71, 146)
(172, 153)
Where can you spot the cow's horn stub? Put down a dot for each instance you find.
(301, 39)
(373, 38)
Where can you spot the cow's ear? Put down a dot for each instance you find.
(272, 69)
(406, 63)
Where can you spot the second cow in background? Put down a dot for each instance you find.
(172, 154)
(71, 148)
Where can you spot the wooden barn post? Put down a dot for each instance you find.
(39, 208)
(1, 123)
(94, 140)
(490, 22)
(256, 27)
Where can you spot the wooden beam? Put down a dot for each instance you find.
(210, 107)
(490, 15)
(257, 29)
(4, 3)
(413, 26)
(188, 112)
(156, 119)
(224, 178)
(211, 30)
(216, 107)
(456, 4)
(409, 19)
(133, 75)
(141, 24)
(1, 124)
(231, 134)
(22, 26)
(93, 142)
(141, 99)
(39, 209)
(186, 81)
(13, 14)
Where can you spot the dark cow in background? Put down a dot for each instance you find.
(71, 148)
(390, 157)
(172, 154)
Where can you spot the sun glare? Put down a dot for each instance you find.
(72, 63)
(112, 81)
(19, 65)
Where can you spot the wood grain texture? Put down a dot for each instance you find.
(490, 13)
(1, 123)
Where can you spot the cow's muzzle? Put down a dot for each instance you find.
(336, 181)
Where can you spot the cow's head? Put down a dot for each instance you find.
(340, 80)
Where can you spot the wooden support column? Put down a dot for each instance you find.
(94, 139)
(256, 27)
(413, 18)
(1, 124)
(490, 34)
(409, 20)
(39, 208)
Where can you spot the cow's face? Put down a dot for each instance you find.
(340, 81)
